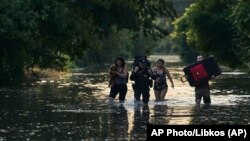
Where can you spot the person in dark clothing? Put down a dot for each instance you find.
(120, 80)
(202, 90)
(141, 75)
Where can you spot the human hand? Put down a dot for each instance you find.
(136, 69)
(157, 79)
(172, 85)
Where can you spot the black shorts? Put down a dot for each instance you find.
(203, 93)
(145, 96)
(121, 89)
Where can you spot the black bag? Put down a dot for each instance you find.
(201, 71)
(138, 58)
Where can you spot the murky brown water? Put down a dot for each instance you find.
(76, 108)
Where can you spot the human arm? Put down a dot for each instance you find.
(124, 73)
(134, 73)
(170, 78)
(152, 73)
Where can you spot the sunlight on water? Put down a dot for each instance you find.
(234, 73)
(77, 108)
(167, 58)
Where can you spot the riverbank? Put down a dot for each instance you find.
(38, 74)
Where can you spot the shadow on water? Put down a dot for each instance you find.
(223, 115)
(141, 119)
(117, 124)
(160, 115)
(76, 108)
(231, 93)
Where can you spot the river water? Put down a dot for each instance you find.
(75, 107)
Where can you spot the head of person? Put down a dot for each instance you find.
(160, 63)
(119, 62)
(143, 63)
(199, 58)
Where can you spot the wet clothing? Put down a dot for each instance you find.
(203, 90)
(121, 89)
(159, 86)
(141, 85)
(120, 81)
(145, 96)
(120, 86)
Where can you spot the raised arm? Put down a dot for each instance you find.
(134, 74)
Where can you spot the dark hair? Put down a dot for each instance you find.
(120, 59)
(139, 58)
(161, 60)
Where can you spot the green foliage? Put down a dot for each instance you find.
(51, 33)
(118, 43)
(240, 17)
(39, 33)
(216, 27)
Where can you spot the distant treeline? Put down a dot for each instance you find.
(218, 27)
(55, 33)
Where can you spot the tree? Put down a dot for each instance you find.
(48, 33)
(240, 18)
(213, 27)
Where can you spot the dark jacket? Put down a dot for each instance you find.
(142, 80)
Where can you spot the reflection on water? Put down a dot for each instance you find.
(76, 108)
(141, 119)
(160, 113)
(117, 124)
